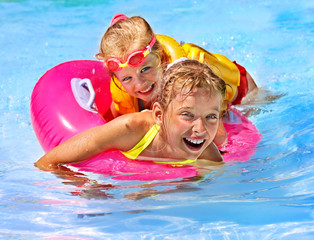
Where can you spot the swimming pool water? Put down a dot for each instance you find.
(269, 196)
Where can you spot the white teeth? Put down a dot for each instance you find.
(147, 90)
(194, 141)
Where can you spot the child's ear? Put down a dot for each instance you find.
(157, 113)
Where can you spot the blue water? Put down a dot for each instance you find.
(271, 196)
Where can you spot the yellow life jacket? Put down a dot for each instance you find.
(123, 102)
(221, 66)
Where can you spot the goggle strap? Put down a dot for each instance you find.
(146, 52)
(149, 47)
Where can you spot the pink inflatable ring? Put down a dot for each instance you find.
(75, 96)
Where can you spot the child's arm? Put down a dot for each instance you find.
(251, 83)
(121, 133)
(212, 153)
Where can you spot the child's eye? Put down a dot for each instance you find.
(212, 116)
(145, 69)
(126, 79)
(187, 115)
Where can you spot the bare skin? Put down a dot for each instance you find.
(191, 120)
(142, 82)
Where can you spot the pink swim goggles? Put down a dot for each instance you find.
(134, 59)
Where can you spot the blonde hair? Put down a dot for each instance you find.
(126, 36)
(184, 76)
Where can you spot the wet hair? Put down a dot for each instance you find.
(126, 36)
(183, 77)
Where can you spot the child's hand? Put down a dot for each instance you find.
(39, 164)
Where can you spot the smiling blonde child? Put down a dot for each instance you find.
(178, 130)
(137, 58)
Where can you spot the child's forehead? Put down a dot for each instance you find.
(199, 99)
(190, 99)
(196, 91)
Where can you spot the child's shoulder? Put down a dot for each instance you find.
(138, 121)
(212, 153)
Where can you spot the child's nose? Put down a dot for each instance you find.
(198, 126)
(139, 81)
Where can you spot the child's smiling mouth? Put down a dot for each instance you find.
(147, 90)
(194, 144)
